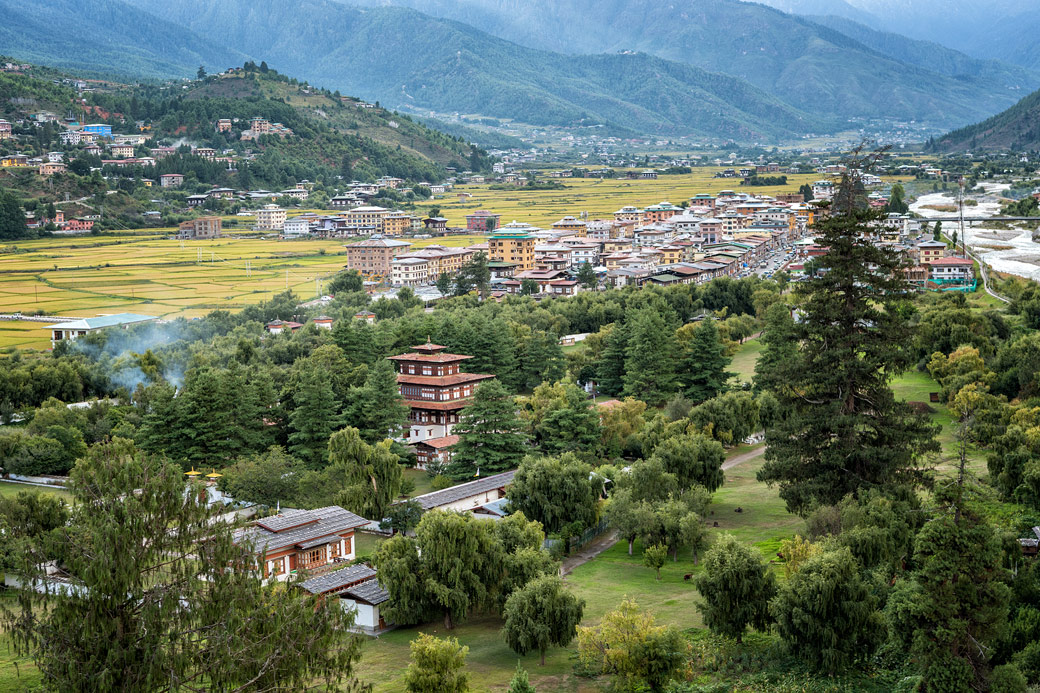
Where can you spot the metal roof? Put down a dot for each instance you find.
(338, 579)
(104, 321)
(369, 592)
(436, 499)
(331, 521)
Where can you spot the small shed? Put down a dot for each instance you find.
(364, 600)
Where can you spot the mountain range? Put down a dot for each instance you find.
(1017, 129)
(703, 67)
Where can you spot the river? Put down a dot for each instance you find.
(1012, 251)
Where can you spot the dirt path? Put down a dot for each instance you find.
(744, 457)
(588, 552)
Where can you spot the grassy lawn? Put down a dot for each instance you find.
(423, 481)
(745, 358)
(16, 673)
(9, 489)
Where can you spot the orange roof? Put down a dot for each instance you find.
(438, 406)
(453, 379)
(429, 358)
(440, 443)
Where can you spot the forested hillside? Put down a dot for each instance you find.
(787, 56)
(1017, 128)
(109, 37)
(403, 57)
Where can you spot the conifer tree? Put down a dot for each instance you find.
(650, 359)
(736, 587)
(540, 615)
(587, 276)
(843, 429)
(779, 350)
(377, 408)
(490, 434)
(133, 543)
(610, 371)
(313, 420)
(704, 364)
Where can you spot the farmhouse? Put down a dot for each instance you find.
(202, 227)
(302, 539)
(75, 329)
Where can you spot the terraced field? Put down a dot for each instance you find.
(86, 276)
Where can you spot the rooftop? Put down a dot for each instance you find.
(436, 499)
(369, 592)
(339, 579)
(103, 321)
(298, 527)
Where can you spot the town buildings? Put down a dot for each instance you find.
(372, 257)
(513, 246)
(200, 228)
(270, 218)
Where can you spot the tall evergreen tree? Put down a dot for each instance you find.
(377, 408)
(313, 420)
(779, 348)
(704, 364)
(650, 358)
(587, 276)
(490, 434)
(610, 371)
(12, 218)
(843, 428)
(128, 628)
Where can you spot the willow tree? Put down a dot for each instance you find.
(736, 587)
(843, 429)
(153, 604)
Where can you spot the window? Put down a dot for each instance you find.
(278, 567)
(316, 556)
(334, 549)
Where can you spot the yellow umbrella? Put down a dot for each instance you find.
(192, 473)
(214, 475)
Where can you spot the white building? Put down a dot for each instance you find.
(75, 329)
(298, 226)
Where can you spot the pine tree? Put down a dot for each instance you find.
(127, 629)
(650, 359)
(736, 586)
(779, 349)
(490, 434)
(313, 420)
(610, 371)
(843, 428)
(704, 364)
(377, 408)
(587, 276)
(444, 284)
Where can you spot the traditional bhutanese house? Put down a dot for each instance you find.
(435, 390)
(337, 581)
(80, 328)
(279, 326)
(324, 322)
(302, 539)
(435, 451)
(468, 496)
(366, 315)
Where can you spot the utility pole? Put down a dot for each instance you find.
(960, 212)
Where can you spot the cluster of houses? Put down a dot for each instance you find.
(712, 236)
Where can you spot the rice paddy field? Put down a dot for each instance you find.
(600, 198)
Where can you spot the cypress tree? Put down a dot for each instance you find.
(650, 359)
(843, 428)
(610, 371)
(704, 364)
(490, 434)
(377, 408)
(313, 420)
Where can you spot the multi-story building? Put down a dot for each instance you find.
(435, 390)
(122, 150)
(171, 180)
(270, 218)
(482, 221)
(951, 270)
(929, 251)
(373, 257)
(99, 130)
(660, 212)
(426, 265)
(629, 213)
(571, 226)
(5, 132)
(367, 217)
(259, 126)
(516, 247)
(202, 227)
(410, 271)
(396, 223)
(298, 226)
(224, 125)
